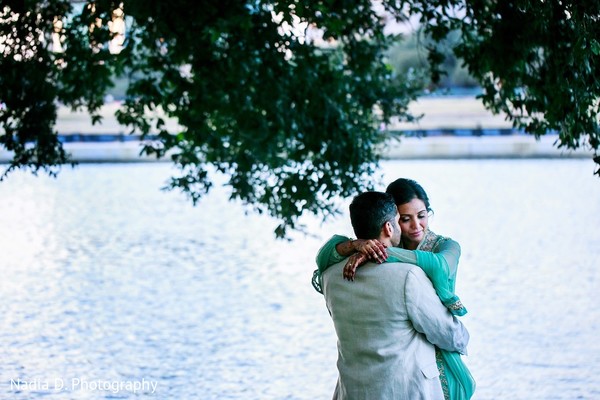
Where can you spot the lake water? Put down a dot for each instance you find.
(113, 289)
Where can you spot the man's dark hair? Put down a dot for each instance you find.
(369, 211)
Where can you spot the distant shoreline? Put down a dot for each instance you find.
(450, 127)
(127, 149)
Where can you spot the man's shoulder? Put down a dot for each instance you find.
(401, 266)
(399, 271)
(396, 269)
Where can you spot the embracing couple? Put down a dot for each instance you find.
(398, 335)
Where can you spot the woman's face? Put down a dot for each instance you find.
(413, 221)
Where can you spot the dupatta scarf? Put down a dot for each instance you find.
(457, 381)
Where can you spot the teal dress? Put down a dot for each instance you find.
(438, 257)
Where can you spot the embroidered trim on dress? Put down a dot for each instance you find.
(430, 241)
(443, 378)
(316, 281)
(455, 306)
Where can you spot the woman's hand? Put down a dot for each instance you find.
(372, 248)
(354, 261)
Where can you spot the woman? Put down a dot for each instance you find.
(436, 255)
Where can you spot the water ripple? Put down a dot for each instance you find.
(108, 279)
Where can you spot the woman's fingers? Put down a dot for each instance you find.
(349, 270)
(378, 252)
(373, 249)
(354, 261)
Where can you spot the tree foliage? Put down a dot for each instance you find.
(285, 98)
(537, 61)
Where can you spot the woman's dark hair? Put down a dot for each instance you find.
(404, 190)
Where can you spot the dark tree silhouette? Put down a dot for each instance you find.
(283, 97)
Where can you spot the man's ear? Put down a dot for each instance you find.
(388, 229)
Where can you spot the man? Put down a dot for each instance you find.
(389, 319)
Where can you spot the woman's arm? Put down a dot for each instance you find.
(445, 260)
(339, 247)
(450, 250)
(328, 255)
(396, 254)
(440, 267)
(371, 248)
(442, 277)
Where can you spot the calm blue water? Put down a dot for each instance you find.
(109, 283)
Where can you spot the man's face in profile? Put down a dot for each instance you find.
(397, 233)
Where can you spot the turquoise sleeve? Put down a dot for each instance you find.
(450, 250)
(402, 255)
(328, 255)
(437, 270)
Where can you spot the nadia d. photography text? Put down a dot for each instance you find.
(82, 384)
